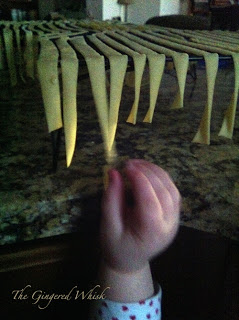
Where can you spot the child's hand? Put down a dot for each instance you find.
(133, 235)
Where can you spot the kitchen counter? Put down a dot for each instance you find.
(38, 203)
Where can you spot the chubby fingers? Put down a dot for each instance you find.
(160, 178)
(145, 198)
(154, 182)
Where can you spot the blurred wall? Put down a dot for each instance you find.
(95, 8)
(45, 7)
(140, 11)
(168, 7)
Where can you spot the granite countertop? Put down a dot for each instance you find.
(37, 203)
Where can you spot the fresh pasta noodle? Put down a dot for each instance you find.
(227, 127)
(8, 42)
(96, 67)
(156, 68)
(69, 69)
(181, 61)
(139, 65)
(47, 66)
(19, 56)
(118, 66)
(29, 54)
(69, 47)
(211, 60)
(229, 118)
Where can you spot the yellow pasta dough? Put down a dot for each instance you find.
(211, 60)
(96, 67)
(139, 65)
(118, 66)
(229, 118)
(203, 133)
(47, 66)
(197, 37)
(69, 68)
(181, 61)
(156, 68)
(8, 41)
(61, 40)
(2, 57)
(19, 57)
(227, 127)
(29, 54)
(208, 38)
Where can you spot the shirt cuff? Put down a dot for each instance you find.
(145, 309)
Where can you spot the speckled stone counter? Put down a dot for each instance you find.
(37, 203)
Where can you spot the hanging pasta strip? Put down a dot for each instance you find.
(194, 47)
(166, 31)
(42, 26)
(201, 40)
(118, 66)
(228, 123)
(29, 53)
(47, 67)
(211, 60)
(19, 56)
(227, 127)
(69, 68)
(156, 69)
(96, 67)
(229, 118)
(139, 65)
(189, 35)
(8, 42)
(203, 133)
(210, 35)
(65, 27)
(35, 43)
(2, 56)
(181, 61)
(226, 33)
(54, 28)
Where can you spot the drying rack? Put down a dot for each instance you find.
(56, 136)
(55, 29)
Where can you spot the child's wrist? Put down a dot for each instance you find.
(129, 286)
(126, 268)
